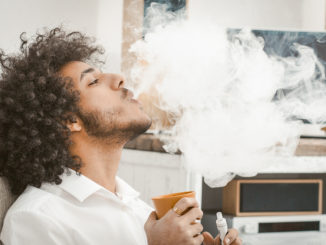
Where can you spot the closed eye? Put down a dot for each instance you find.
(95, 81)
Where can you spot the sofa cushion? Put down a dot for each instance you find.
(6, 199)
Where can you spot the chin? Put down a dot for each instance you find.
(138, 127)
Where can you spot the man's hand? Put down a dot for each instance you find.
(175, 229)
(230, 239)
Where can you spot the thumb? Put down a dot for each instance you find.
(208, 239)
(151, 219)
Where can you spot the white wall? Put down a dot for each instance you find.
(109, 31)
(313, 14)
(261, 14)
(99, 18)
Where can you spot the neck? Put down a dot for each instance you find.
(100, 160)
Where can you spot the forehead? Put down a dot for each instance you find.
(73, 69)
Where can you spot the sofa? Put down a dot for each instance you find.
(6, 199)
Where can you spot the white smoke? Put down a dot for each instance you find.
(220, 94)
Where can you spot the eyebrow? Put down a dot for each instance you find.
(88, 70)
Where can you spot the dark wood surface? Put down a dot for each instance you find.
(150, 142)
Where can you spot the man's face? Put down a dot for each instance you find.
(106, 109)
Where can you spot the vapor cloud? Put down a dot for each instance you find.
(221, 91)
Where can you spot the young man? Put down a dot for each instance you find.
(63, 124)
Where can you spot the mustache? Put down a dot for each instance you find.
(126, 93)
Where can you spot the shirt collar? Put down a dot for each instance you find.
(125, 190)
(81, 187)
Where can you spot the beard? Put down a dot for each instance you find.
(107, 126)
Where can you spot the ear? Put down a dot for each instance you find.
(74, 124)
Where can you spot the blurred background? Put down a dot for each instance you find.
(109, 20)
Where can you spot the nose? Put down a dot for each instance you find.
(116, 81)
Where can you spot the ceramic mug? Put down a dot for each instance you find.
(164, 203)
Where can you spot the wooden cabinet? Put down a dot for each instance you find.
(153, 172)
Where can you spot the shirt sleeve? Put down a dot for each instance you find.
(27, 227)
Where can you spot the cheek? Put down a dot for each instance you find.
(100, 100)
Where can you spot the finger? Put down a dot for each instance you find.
(192, 214)
(208, 239)
(230, 236)
(196, 229)
(199, 239)
(184, 205)
(237, 241)
(151, 218)
(217, 240)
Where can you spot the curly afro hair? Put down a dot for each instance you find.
(35, 105)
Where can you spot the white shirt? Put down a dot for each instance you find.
(78, 211)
